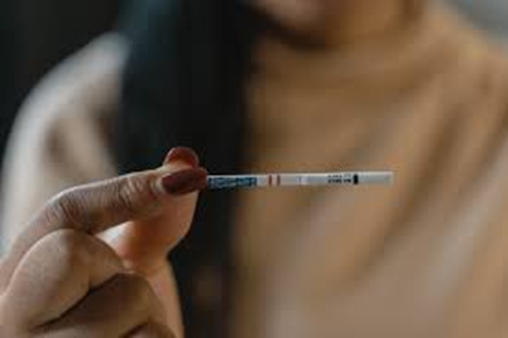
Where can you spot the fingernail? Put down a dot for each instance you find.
(183, 154)
(185, 181)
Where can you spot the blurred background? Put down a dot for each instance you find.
(35, 35)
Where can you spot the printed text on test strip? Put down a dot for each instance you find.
(299, 179)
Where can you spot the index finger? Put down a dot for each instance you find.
(96, 207)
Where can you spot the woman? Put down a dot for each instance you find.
(303, 85)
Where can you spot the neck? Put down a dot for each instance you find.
(360, 23)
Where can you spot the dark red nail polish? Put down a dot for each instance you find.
(185, 181)
(183, 154)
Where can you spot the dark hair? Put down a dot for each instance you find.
(183, 85)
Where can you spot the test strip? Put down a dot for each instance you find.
(299, 179)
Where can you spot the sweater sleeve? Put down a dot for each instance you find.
(62, 136)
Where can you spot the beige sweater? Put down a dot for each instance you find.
(426, 257)
(61, 136)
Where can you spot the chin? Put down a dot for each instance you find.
(302, 21)
(298, 14)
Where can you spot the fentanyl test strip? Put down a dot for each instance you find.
(299, 179)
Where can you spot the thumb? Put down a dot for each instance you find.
(144, 244)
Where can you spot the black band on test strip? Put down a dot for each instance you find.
(356, 179)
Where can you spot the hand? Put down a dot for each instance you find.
(60, 279)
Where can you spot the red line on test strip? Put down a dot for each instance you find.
(270, 180)
(278, 179)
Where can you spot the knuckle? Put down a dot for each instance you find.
(133, 192)
(67, 206)
(72, 247)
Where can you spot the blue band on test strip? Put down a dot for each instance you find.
(231, 182)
